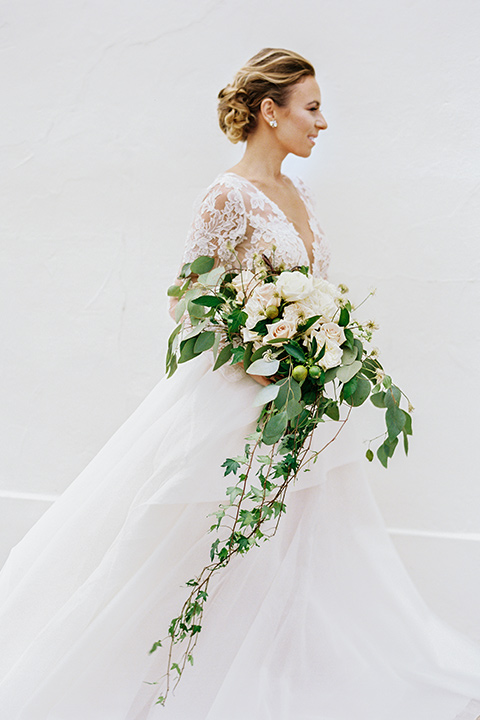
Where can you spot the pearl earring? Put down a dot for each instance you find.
(273, 123)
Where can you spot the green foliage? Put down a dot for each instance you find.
(301, 396)
(202, 265)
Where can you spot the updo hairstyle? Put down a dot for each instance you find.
(268, 74)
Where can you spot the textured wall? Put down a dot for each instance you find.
(108, 133)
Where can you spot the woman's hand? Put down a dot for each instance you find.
(261, 379)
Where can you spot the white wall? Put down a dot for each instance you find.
(108, 132)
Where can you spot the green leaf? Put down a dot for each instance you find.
(347, 372)
(202, 264)
(308, 323)
(236, 319)
(332, 411)
(180, 308)
(369, 455)
(266, 395)
(349, 337)
(395, 420)
(187, 350)
(275, 428)
(155, 646)
(349, 388)
(392, 396)
(204, 341)
(190, 659)
(288, 389)
(390, 446)
(349, 355)
(174, 291)
(295, 351)
(361, 392)
(357, 343)
(370, 367)
(344, 318)
(383, 455)
(378, 399)
(330, 374)
(405, 442)
(233, 492)
(408, 423)
(237, 354)
(208, 301)
(223, 356)
(247, 358)
(263, 367)
(293, 408)
(231, 466)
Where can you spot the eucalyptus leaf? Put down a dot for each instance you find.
(180, 308)
(294, 408)
(392, 396)
(349, 355)
(266, 395)
(223, 356)
(330, 374)
(361, 393)
(202, 264)
(288, 389)
(174, 291)
(212, 278)
(204, 341)
(275, 428)
(346, 372)
(187, 350)
(349, 388)
(378, 399)
(395, 420)
(263, 367)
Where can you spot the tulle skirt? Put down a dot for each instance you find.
(320, 623)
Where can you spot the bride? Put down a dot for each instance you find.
(322, 622)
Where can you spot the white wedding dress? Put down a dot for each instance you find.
(320, 623)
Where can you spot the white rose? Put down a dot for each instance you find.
(333, 332)
(294, 285)
(282, 329)
(296, 312)
(255, 312)
(326, 287)
(267, 294)
(332, 357)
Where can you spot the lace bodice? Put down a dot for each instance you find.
(235, 221)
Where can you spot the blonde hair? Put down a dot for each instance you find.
(268, 74)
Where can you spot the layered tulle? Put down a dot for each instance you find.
(320, 623)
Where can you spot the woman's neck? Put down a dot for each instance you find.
(262, 160)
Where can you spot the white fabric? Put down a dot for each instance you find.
(321, 623)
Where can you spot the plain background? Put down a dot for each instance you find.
(109, 133)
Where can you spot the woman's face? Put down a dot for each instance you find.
(300, 121)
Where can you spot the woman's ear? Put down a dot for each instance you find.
(267, 110)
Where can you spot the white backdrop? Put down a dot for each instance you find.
(108, 133)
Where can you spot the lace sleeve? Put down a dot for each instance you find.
(219, 225)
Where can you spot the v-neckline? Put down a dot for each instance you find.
(279, 211)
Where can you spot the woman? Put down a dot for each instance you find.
(322, 622)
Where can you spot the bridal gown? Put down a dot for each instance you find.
(320, 623)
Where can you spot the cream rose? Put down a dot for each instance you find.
(282, 329)
(333, 332)
(294, 285)
(332, 357)
(267, 294)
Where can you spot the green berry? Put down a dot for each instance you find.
(271, 312)
(315, 371)
(299, 373)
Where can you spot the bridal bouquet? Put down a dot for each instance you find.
(300, 332)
